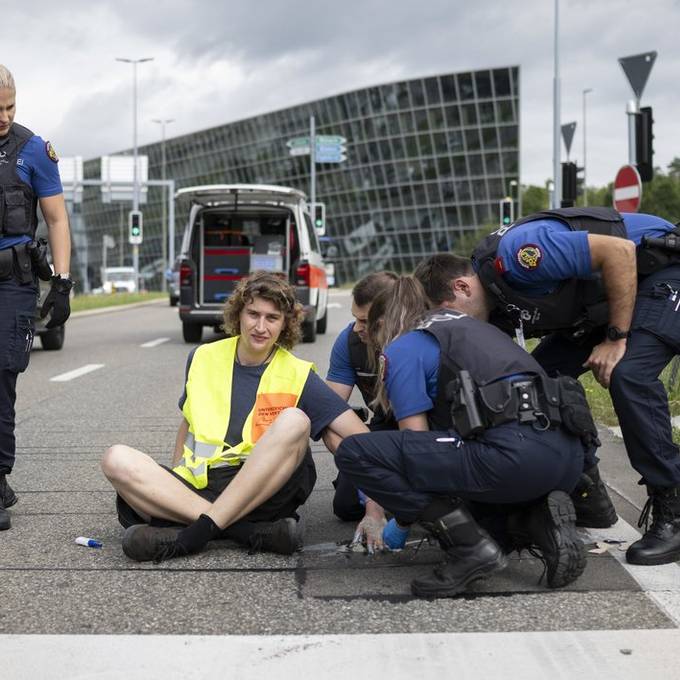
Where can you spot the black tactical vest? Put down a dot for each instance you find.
(18, 203)
(485, 352)
(576, 306)
(366, 381)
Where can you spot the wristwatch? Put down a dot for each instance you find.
(62, 284)
(615, 333)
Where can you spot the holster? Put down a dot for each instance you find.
(24, 266)
(37, 251)
(575, 412)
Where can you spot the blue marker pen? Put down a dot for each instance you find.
(88, 542)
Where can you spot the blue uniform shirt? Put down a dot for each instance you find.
(536, 256)
(411, 373)
(40, 172)
(341, 369)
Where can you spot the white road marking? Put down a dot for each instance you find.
(76, 373)
(661, 583)
(620, 654)
(155, 343)
(334, 305)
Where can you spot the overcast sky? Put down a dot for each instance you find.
(217, 61)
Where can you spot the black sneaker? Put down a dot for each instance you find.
(284, 536)
(594, 507)
(144, 543)
(464, 564)
(548, 529)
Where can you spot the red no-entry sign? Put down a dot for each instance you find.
(627, 189)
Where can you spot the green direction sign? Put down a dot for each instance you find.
(297, 142)
(329, 139)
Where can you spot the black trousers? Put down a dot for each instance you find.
(510, 464)
(639, 397)
(17, 310)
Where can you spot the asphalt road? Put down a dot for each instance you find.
(72, 611)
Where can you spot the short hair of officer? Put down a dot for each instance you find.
(274, 289)
(6, 79)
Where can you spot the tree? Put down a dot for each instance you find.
(534, 199)
(674, 168)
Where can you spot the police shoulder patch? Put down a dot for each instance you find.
(529, 256)
(51, 153)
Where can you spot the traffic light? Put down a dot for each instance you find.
(644, 151)
(569, 184)
(506, 210)
(135, 227)
(319, 218)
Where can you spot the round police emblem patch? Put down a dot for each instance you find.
(529, 256)
(51, 153)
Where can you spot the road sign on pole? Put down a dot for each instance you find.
(627, 189)
(568, 130)
(637, 68)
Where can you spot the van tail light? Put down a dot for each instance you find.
(303, 275)
(185, 275)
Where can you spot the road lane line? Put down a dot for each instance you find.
(560, 655)
(660, 583)
(76, 373)
(334, 305)
(155, 343)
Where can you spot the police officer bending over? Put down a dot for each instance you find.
(603, 289)
(242, 464)
(28, 176)
(351, 365)
(479, 421)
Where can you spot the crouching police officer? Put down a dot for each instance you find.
(28, 176)
(602, 288)
(500, 432)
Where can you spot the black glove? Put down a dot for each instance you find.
(194, 538)
(58, 301)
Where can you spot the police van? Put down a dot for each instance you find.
(235, 229)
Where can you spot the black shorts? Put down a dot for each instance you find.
(283, 503)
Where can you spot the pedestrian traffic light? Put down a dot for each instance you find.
(506, 210)
(644, 151)
(569, 184)
(319, 218)
(135, 227)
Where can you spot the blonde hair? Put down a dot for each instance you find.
(395, 311)
(6, 78)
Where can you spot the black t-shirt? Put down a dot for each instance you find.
(318, 401)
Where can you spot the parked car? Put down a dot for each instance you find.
(235, 229)
(173, 283)
(119, 280)
(50, 338)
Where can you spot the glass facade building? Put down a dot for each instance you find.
(428, 159)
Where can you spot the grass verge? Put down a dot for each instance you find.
(81, 303)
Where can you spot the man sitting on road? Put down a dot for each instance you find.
(242, 464)
(351, 366)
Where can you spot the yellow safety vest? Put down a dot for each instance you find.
(208, 405)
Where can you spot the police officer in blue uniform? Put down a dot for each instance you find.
(602, 290)
(349, 367)
(480, 422)
(28, 177)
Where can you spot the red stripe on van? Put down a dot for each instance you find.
(227, 251)
(317, 277)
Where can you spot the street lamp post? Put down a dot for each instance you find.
(164, 226)
(585, 183)
(515, 183)
(557, 166)
(135, 176)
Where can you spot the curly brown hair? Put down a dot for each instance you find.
(276, 290)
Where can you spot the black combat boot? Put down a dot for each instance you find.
(593, 506)
(470, 555)
(661, 541)
(7, 499)
(549, 527)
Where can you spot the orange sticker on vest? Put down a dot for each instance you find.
(267, 408)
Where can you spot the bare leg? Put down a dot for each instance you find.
(150, 489)
(268, 467)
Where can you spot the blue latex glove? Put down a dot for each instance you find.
(395, 536)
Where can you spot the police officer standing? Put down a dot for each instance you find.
(602, 290)
(28, 176)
